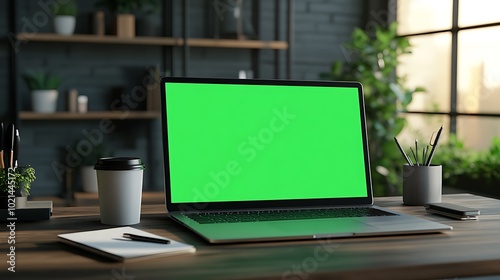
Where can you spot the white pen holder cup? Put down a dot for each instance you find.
(422, 184)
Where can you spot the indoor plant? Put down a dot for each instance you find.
(148, 20)
(470, 170)
(123, 10)
(22, 179)
(372, 62)
(65, 17)
(44, 90)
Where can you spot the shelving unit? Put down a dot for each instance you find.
(185, 42)
(173, 53)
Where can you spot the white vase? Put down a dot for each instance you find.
(64, 25)
(89, 179)
(21, 201)
(44, 100)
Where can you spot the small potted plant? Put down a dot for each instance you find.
(123, 10)
(44, 90)
(148, 21)
(20, 180)
(64, 17)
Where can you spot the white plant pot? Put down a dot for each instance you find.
(89, 179)
(44, 100)
(21, 201)
(64, 25)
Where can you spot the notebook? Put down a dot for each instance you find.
(111, 244)
(260, 160)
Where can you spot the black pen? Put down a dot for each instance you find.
(136, 237)
(416, 152)
(403, 152)
(428, 163)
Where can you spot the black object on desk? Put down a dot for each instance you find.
(34, 211)
(453, 211)
(135, 237)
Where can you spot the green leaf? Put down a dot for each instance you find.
(23, 178)
(41, 80)
(419, 89)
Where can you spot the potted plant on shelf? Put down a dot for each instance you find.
(148, 21)
(65, 17)
(123, 10)
(44, 90)
(20, 180)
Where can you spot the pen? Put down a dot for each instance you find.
(403, 152)
(2, 145)
(136, 237)
(416, 152)
(434, 146)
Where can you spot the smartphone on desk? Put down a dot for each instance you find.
(453, 211)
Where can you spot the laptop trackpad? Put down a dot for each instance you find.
(317, 228)
(321, 228)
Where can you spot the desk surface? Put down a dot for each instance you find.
(472, 248)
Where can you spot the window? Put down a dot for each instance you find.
(456, 58)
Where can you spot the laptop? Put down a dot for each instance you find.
(263, 160)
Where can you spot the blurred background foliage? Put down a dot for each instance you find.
(372, 60)
(468, 169)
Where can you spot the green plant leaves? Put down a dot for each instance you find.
(41, 80)
(66, 8)
(23, 177)
(127, 6)
(463, 164)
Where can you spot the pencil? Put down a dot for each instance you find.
(403, 152)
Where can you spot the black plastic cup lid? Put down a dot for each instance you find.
(119, 163)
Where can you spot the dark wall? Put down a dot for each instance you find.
(4, 63)
(102, 71)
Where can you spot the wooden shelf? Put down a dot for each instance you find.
(230, 43)
(153, 41)
(92, 115)
(87, 38)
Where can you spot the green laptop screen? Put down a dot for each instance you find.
(235, 142)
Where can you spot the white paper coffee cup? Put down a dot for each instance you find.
(119, 184)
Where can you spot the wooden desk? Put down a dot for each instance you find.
(472, 248)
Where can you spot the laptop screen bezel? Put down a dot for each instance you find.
(278, 204)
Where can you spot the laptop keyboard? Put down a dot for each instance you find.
(279, 215)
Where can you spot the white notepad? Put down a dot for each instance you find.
(111, 243)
